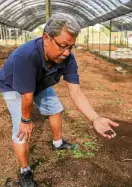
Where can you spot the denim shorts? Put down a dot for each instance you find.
(46, 101)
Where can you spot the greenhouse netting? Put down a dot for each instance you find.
(106, 24)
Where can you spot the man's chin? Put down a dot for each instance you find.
(59, 60)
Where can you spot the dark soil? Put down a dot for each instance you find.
(127, 61)
(107, 163)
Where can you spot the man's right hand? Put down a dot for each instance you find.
(25, 131)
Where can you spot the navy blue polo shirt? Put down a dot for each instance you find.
(25, 70)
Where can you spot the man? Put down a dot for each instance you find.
(27, 77)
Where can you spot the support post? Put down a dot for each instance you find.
(5, 37)
(110, 39)
(92, 37)
(25, 36)
(127, 40)
(99, 39)
(48, 9)
(88, 37)
(15, 37)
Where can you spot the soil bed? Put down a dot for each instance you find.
(100, 162)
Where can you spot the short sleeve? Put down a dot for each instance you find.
(24, 74)
(71, 70)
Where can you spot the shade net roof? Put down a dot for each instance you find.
(28, 14)
(121, 23)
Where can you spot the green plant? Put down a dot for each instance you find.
(118, 101)
(82, 154)
(92, 145)
(100, 87)
(127, 111)
(87, 150)
(78, 153)
(61, 153)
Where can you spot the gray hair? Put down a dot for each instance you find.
(61, 21)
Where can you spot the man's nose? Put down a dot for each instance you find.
(67, 52)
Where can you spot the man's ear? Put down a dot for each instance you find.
(45, 36)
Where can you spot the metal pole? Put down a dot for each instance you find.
(48, 9)
(92, 37)
(5, 36)
(15, 36)
(25, 36)
(99, 39)
(2, 32)
(87, 37)
(126, 39)
(110, 39)
(21, 36)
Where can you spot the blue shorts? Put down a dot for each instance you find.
(46, 101)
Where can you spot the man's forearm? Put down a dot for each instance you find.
(82, 103)
(27, 103)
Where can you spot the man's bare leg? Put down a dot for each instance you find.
(56, 129)
(56, 126)
(22, 153)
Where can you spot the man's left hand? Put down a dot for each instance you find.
(103, 127)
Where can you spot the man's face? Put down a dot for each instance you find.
(59, 47)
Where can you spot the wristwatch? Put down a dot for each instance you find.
(26, 121)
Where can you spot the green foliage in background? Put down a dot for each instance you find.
(105, 31)
(39, 31)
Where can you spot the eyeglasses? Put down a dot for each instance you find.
(63, 48)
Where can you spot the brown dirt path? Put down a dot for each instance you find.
(108, 162)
